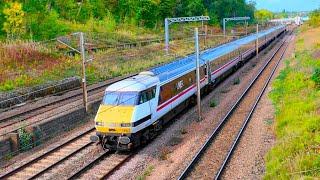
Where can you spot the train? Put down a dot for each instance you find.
(134, 111)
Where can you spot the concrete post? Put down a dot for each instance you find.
(166, 29)
(257, 41)
(84, 83)
(198, 72)
(224, 27)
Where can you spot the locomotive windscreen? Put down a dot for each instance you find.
(118, 98)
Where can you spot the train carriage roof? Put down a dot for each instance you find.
(186, 64)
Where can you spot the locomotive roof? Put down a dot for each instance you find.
(186, 64)
(135, 83)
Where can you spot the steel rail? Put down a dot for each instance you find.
(202, 150)
(21, 113)
(109, 173)
(17, 169)
(236, 141)
(61, 160)
(91, 164)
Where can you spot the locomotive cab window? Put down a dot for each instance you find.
(147, 95)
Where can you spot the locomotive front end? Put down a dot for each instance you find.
(124, 112)
(113, 121)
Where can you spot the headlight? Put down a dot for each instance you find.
(125, 124)
(99, 124)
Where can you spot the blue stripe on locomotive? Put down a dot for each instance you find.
(186, 64)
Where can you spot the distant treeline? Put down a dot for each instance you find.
(44, 19)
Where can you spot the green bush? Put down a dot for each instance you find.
(315, 18)
(48, 28)
(25, 139)
(236, 81)
(316, 77)
(213, 103)
(7, 85)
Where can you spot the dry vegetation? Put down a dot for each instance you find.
(25, 64)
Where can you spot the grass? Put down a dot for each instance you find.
(213, 103)
(236, 81)
(147, 172)
(296, 97)
(28, 64)
(164, 153)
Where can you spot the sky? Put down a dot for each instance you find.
(288, 5)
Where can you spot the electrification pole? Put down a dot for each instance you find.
(224, 26)
(257, 41)
(232, 19)
(84, 83)
(166, 27)
(246, 28)
(169, 21)
(198, 72)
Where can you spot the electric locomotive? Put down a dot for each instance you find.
(134, 110)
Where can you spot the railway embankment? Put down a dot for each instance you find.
(8, 99)
(295, 95)
(35, 134)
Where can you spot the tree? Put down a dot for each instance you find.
(315, 18)
(14, 20)
(2, 18)
(219, 9)
(166, 9)
(99, 9)
(126, 10)
(263, 15)
(147, 13)
(195, 8)
(49, 27)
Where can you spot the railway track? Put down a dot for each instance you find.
(212, 158)
(102, 166)
(9, 120)
(22, 113)
(39, 165)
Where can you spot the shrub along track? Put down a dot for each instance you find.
(213, 156)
